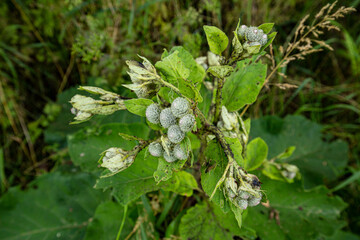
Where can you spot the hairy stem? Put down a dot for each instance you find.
(218, 99)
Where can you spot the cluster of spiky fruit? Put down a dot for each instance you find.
(243, 190)
(178, 120)
(252, 35)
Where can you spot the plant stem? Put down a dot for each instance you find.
(218, 99)
(122, 223)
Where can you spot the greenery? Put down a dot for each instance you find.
(253, 138)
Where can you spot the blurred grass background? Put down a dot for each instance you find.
(49, 46)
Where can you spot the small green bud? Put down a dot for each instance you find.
(187, 122)
(156, 150)
(180, 106)
(169, 157)
(153, 113)
(180, 153)
(167, 118)
(175, 134)
(242, 203)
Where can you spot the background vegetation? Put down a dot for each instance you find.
(48, 47)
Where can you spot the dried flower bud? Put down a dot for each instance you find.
(116, 159)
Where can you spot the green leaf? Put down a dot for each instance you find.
(236, 148)
(182, 183)
(301, 214)
(217, 39)
(287, 153)
(318, 160)
(220, 71)
(106, 222)
(243, 85)
(237, 213)
(266, 27)
(138, 106)
(211, 174)
(59, 208)
(208, 222)
(256, 153)
(180, 69)
(271, 38)
(86, 145)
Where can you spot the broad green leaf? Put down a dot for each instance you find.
(59, 208)
(86, 145)
(287, 153)
(236, 148)
(237, 213)
(138, 179)
(106, 222)
(243, 85)
(217, 39)
(271, 38)
(266, 27)
(206, 222)
(341, 235)
(318, 160)
(138, 106)
(180, 69)
(256, 153)
(211, 174)
(182, 183)
(301, 214)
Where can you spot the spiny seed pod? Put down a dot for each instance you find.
(251, 34)
(241, 31)
(187, 122)
(263, 40)
(153, 113)
(243, 194)
(242, 203)
(156, 150)
(167, 119)
(254, 201)
(175, 134)
(180, 153)
(180, 106)
(169, 158)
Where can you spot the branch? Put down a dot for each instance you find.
(218, 99)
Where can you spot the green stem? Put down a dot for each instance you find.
(122, 222)
(218, 99)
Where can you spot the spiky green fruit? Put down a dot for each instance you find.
(180, 106)
(153, 113)
(186, 123)
(167, 118)
(175, 134)
(156, 150)
(169, 157)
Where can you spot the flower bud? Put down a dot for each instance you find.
(156, 150)
(169, 157)
(186, 123)
(153, 113)
(263, 40)
(241, 203)
(243, 194)
(180, 152)
(180, 106)
(241, 31)
(167, 118)
(254, 201)
(175, 134)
